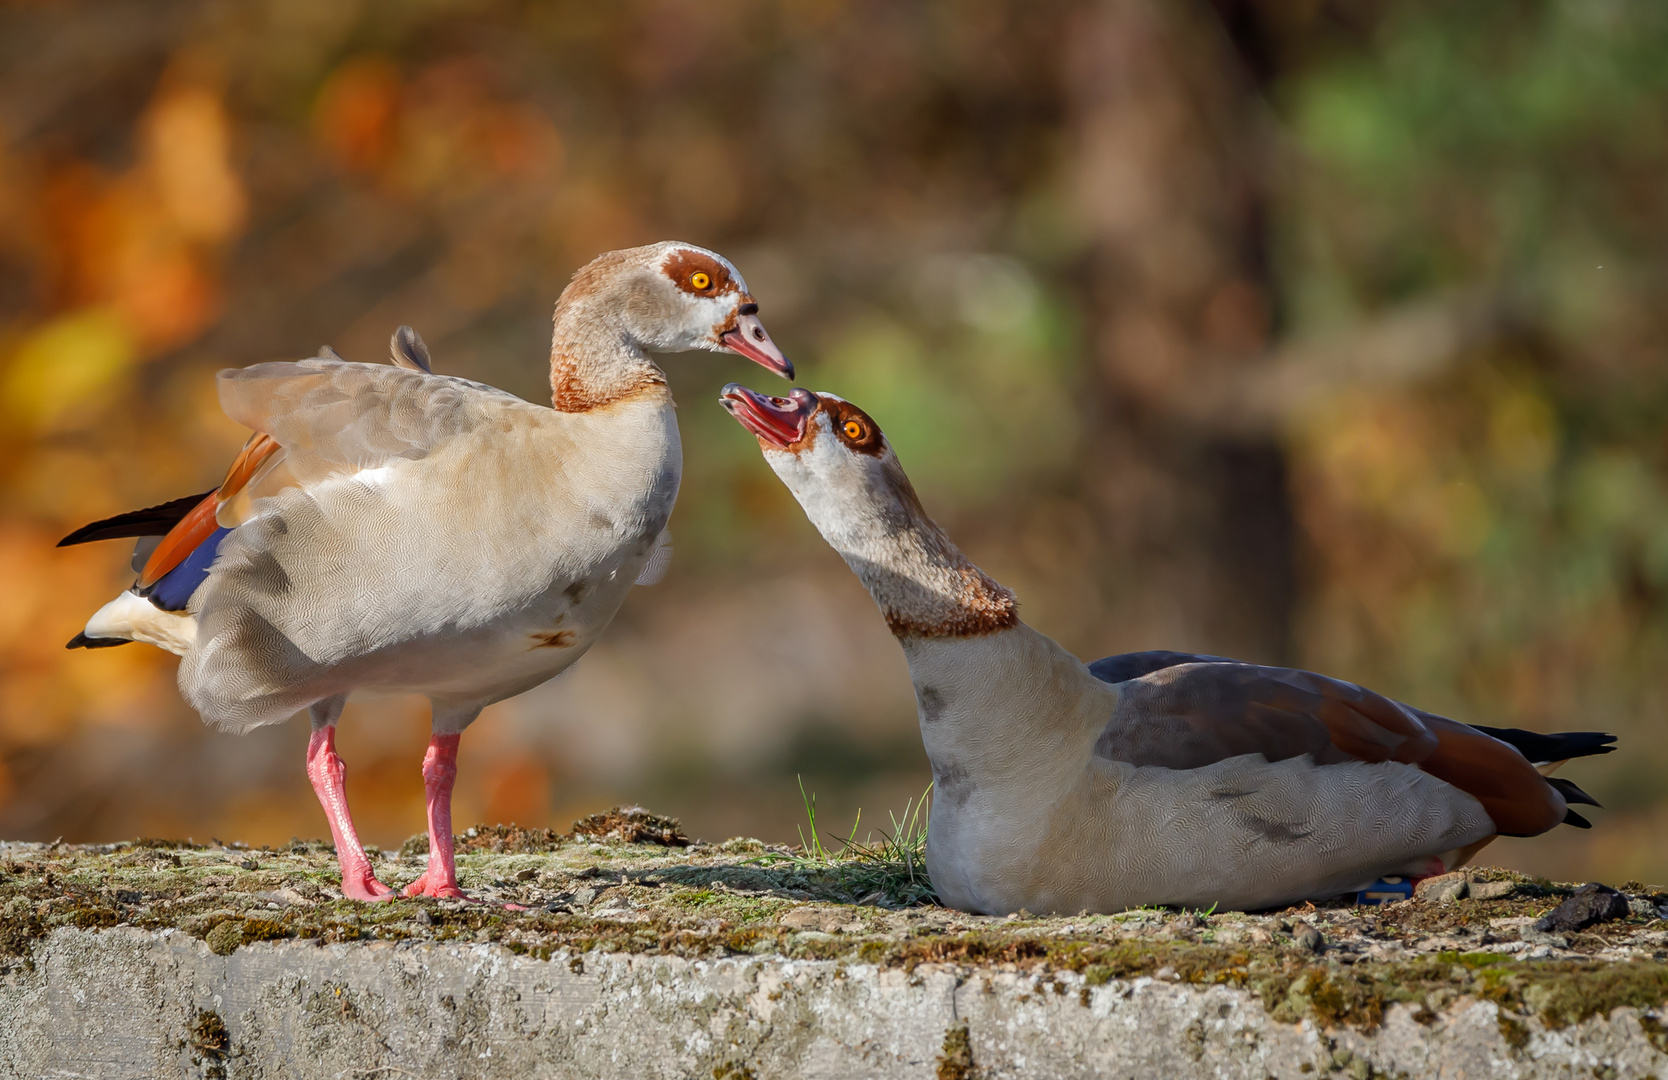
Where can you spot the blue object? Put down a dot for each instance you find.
(1386, 890)
(172, 591)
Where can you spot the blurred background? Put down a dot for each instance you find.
(1329, 333)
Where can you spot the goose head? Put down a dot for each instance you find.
(837, 462)
(669, 297)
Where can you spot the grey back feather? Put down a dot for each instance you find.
(354, 415)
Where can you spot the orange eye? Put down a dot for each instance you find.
(853, 430)
(700, 280)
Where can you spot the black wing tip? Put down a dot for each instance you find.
(85, 535)
(82, 641)
(1571, 792)
(1573, 818)
(1558, 746)
(151, 521)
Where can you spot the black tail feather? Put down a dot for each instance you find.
(1571, 793)
(82, 641)
(1540, 748)
(151, 521)
(1573, 818)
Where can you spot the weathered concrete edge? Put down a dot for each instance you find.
(132, 1003)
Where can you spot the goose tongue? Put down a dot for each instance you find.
(748, 338)
(779, 421)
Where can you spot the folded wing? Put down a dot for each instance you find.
(312, 419)
(1187, 713)
(331, 414)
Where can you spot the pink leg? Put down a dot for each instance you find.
(1434, 867)
(440, 769)
(328, 775)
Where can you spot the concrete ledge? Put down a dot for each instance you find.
(132, 1003)
(735, 961)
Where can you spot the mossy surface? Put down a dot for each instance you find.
(588, 893)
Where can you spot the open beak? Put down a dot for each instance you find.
(779, 421)
(748, 338)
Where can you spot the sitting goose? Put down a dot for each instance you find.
(1150, 778)
(391, 529)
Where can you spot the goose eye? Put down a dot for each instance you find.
(853, 430)
(700, 279)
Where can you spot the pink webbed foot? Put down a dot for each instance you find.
(365, 886)
(421, 887)
(441, 890)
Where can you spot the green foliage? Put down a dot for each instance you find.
(889, 869)
(1490, 539)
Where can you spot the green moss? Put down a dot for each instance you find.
(955, 1061)
(210, 1044)
(19, 929)
(93, 917)
(1656, 1032)
(1472, 960)
(1567, 993)
(224, 937)
(1513, 1030)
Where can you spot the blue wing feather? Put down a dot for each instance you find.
(172, 591)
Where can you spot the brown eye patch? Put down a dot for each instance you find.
(853, 426)
(698, 274)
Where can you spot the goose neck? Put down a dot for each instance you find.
(923, 583)
(595, 360)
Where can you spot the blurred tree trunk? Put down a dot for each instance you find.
(1170, 147)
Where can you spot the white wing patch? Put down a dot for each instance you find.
(660, 560)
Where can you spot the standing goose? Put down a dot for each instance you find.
(391, 529)
(1148, 778)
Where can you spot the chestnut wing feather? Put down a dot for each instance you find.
(1188, 715)
(1192, 714)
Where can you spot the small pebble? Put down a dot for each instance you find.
(1443, 889)
(1535, 936)
(1492, 890)
(1309, 938)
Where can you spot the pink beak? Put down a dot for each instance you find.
(748, 338)
(778, 421)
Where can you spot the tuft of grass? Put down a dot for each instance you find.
(888, 869)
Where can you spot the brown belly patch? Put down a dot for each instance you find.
(555, 639)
